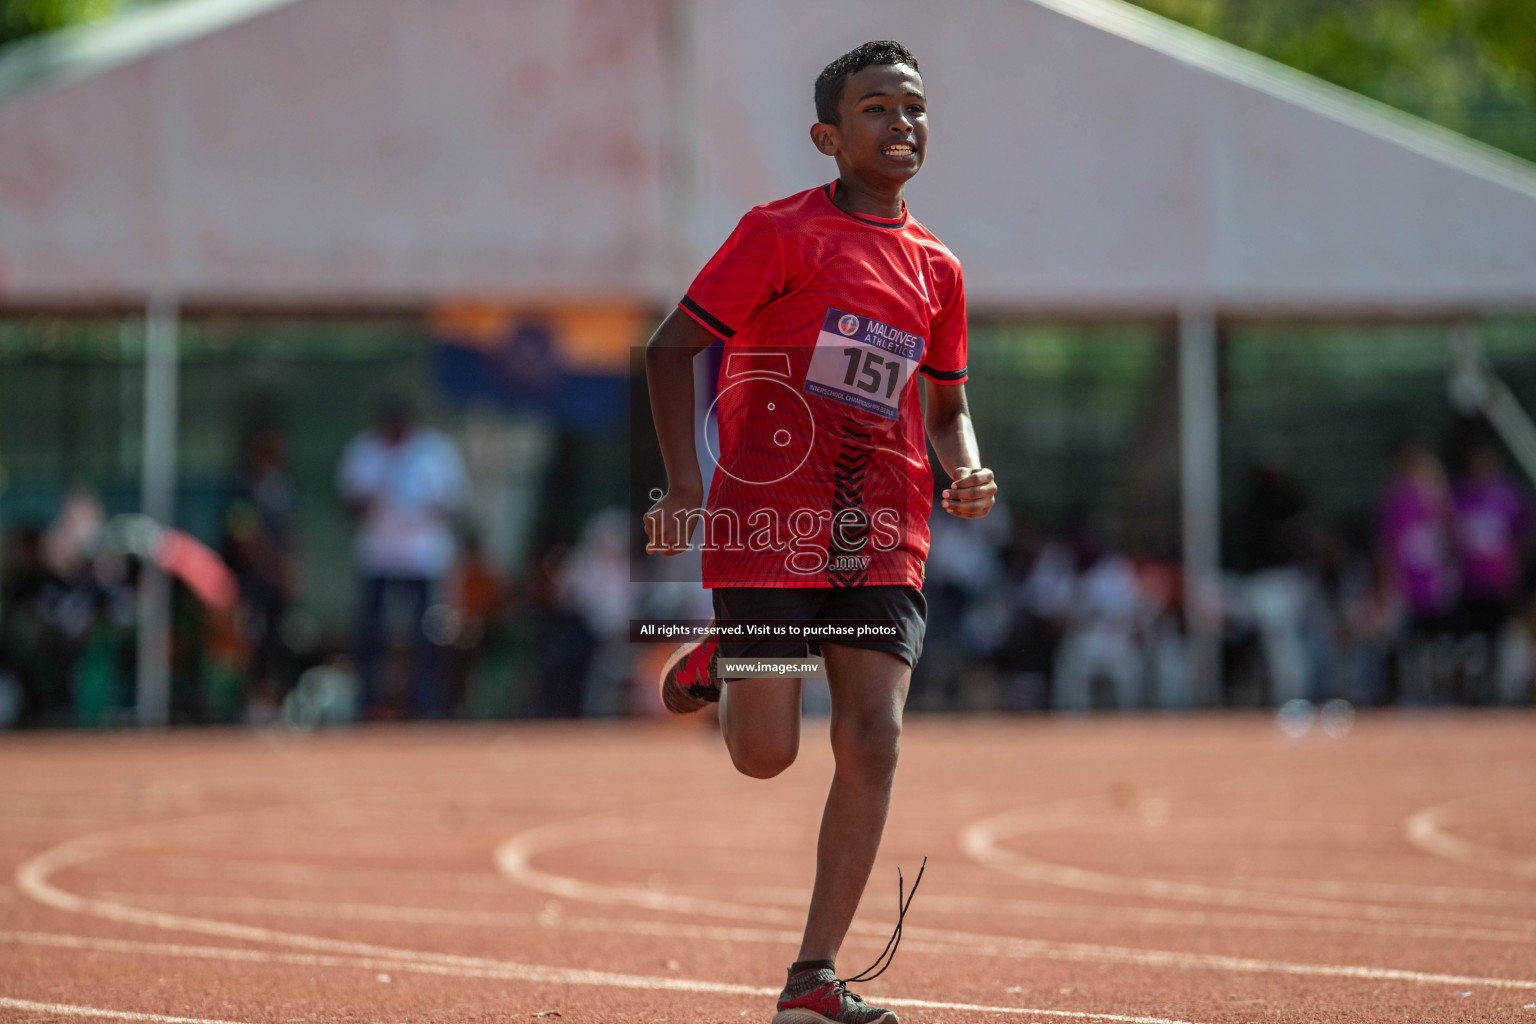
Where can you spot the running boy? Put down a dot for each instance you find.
(829, 303)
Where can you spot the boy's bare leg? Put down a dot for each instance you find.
(760, 720)
(869, 689)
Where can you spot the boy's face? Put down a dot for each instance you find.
(884, 131)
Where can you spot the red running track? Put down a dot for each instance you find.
(1201, 869)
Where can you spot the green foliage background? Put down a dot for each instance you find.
(1467, 64)
(22, 18)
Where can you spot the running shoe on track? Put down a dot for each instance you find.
(689, 680)
(817, 997)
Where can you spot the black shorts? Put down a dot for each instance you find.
(903, 607)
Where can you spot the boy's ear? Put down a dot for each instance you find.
(825, 137)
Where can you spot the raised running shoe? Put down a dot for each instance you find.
(689, 679)
(816, 996)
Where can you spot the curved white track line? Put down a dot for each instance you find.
(1505, 898)
(33, 878)
(68, 1010)
(556, 975)
(407, 962)
(1053, 911)
(289, 873)
(460, 918)
(981, 841)
(1425, 829)
(513, 857)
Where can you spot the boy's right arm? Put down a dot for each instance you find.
(669, 379)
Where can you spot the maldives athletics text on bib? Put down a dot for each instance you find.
(863, 362)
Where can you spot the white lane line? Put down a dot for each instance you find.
(1426, 829)
(973, 906)
(1070, 1014)
(33, 878)
(966, 905)
(68, 1010)
(406, 961)
(513, 857)
(289, 873)
(998, 905)
(546, 919)
(296, 874)
(1088, 953)
(342, 911)
(506, 972)
(1396, 891)
(981, 842)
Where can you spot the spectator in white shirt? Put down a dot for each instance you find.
(405, 484)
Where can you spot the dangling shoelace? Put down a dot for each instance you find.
(903, 901)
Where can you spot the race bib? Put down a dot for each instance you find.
(863, 363)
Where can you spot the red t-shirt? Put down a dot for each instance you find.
(821, 476)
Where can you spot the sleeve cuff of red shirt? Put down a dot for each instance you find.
(946, 376)
(705, 318)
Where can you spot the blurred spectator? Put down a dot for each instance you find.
(1491, 524)
(405, 484)
(72, 537)
(1271, 533)
(964, 568)
(1105, 619)
(1415, 535)
(260, 548)
(23, 626)
(477, 597)
(594, 584)
(562, 645)
(1371, 617)
(1042, 593)
(1161, 584)
(66, 619)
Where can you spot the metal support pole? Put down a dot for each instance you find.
(158, 502)
(1474, 389)
(1201, 495)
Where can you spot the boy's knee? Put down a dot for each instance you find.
(870, 740)
(764, 760)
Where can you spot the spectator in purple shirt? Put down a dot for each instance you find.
(1415, 531)
(1490, 527)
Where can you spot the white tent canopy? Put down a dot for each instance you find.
(1087, 156)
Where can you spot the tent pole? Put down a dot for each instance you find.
(1475, 390)
(158, 501)
(1201, 499)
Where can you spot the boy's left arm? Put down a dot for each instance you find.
(948, 419)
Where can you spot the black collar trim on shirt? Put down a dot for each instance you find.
(874, 222)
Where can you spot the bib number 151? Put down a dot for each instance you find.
(875, 370)
(863, 363)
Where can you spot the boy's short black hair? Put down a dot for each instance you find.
(829, 84)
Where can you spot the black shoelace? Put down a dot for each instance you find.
(903, 901)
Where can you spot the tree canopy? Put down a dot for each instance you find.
(22, 18)
(1469, 65)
